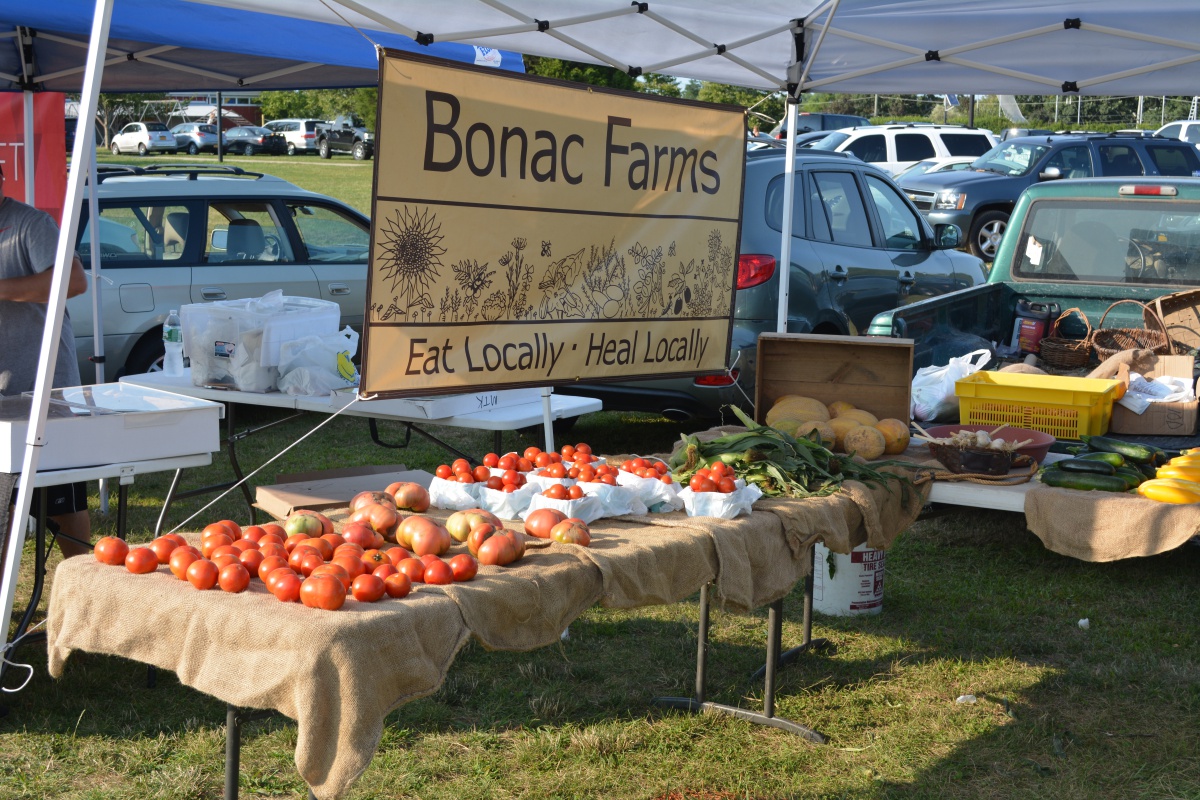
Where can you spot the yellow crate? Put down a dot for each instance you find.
(1065, 408)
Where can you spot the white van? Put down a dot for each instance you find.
(301, 134)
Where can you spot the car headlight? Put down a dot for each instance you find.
(950, 200)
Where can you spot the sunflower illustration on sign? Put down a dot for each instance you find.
(412, 251)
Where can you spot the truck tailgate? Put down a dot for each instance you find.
(956, 323)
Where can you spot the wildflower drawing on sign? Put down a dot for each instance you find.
(412, 251)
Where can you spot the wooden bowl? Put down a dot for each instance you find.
(1037, 449)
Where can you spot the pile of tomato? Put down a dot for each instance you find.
(717, 478)
(572, 461)
(648, 468)
(319, 571)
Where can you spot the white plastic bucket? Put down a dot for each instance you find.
(848, 585)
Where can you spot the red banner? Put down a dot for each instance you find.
(49, 148)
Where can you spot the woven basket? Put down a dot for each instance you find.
(1108, 342)
(1181, 314)
(1063, 353)
(982, 461)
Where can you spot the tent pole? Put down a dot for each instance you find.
(83, 152)
(220, 130)
(30, 182)
(789, 192)
(97, 305)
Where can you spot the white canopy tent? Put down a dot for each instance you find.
(1092, 47)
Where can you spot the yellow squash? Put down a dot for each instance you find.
(1184, 472)
(1186, 460)
(1170, 490)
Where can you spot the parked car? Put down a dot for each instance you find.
(859, 247)
(806, 139)
(144, 138)
(895, 147)
(252, 140)
(164, 243)
(195, 137)
(301, 134)
(1185, 130)
(980, 199)
(931, 165)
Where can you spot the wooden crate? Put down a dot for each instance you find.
(872, 372)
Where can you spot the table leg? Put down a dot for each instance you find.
(699, 704)
(234, 717)
(122, 498)
(409, 430)
(807, 642)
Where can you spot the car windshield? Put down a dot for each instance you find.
(1011, 158)
(1102, 240)
(830, 142)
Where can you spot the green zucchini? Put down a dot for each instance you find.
(1116, 459)
(1133, 452)
(1149, 470)
(1132, 476)
(1084, 481)
(1086, 465)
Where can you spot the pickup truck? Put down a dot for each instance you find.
(1083, 243)
(345, 134)
(980, 199)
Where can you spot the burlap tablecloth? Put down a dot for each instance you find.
(1104, 526)
(329, 670)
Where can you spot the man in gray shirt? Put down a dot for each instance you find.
(28, 239)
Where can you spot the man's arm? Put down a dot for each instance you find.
(36, 288)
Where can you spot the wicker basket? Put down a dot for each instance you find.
(982, 461)
(1063, 353)
(1108, 342)
(1181, 314)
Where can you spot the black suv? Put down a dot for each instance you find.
(858, 248)
(980, 199)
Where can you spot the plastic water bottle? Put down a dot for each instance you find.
(173, 343)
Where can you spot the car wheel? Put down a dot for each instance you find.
(142, 150)
(291, 149)
(146, 356)
(360, 151)
(116, 149)
(323, 149)
(248, 150)
(986, 233)
(193, 150)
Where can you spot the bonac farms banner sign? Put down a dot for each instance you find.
(531, 232)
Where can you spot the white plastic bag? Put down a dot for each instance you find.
(454, 496)
(933, 387)
(719, 504)
(317, 365)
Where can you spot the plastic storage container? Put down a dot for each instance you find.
(1065, 408)
(236, 343)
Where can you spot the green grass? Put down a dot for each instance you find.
(973, 604)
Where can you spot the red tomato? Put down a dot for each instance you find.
(348, 549)
(556, 492)
(541, 459)
(557, 470)
(463, 567)
(583, 447)
(384, 570)
(210, 544)
(397, 585)
(233, 578)
(574, 493)
(508, 487)
(481, 474)
(491, 460)
(203, 574)
(397, 554)
(438, 572)
(181, 559)
(706, 485)
(608, 478)
(269, 565)
(286, 585)
(274, 529)
(353, 565)
(224, 559)
(310, 559)
(414, 568)
(429, 558)
(667, 479)
(531, 452)
(460, 464)
(163, 546)
(337, 571)
(496, 483)
(276, 575)
(245, 544)
(506, 462)
(323, 591)
(335, 541)
(367, 588)
(108, 550)
(568, 452)
(253, 532)
(141, 560)
(717, 470)
(235, 530)
(271, 549)
(215, 528)
(271, 538)
(252, 560)
(443, 471)
(726, 485)
(176, 538)
(466, 477)
(524, 465)
(695, 482)
(586, 474)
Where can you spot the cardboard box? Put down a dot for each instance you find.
(333, 488)
(1161, 419)
(872, 372)
(452, 405)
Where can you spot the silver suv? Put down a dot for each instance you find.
(164, 236)
(301, 134)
